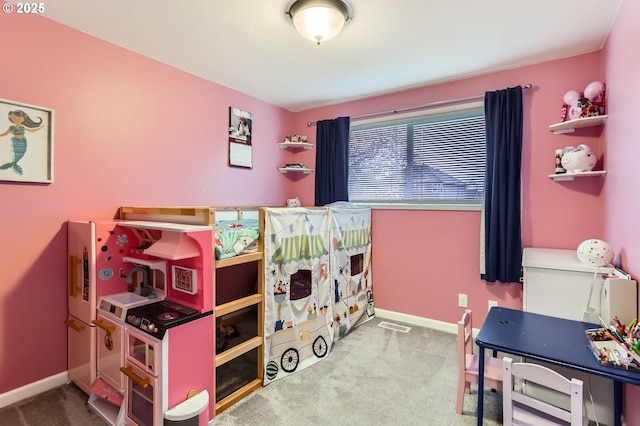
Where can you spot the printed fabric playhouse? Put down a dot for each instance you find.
(318, 283)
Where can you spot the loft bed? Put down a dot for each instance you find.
(238, 245)
(236, 229)
(317, 257)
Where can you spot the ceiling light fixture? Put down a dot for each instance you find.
(318, 20)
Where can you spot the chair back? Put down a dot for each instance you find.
(465, 339)
(469, 363)
(519, 408)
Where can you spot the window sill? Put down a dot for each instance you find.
(407, 206)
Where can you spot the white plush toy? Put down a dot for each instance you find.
(293, 202)
(580, 159)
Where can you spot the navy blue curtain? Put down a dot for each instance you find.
(502, 236)
(332, 160)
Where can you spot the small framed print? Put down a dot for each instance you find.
(185, 279)
(240, 129)
(26, 142)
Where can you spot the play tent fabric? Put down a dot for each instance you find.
(350, 266)
(311, 299)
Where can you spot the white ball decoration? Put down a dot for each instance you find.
(595, 253)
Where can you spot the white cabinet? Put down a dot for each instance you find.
(556, 283)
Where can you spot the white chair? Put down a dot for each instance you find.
(468, 363)
(521, 409)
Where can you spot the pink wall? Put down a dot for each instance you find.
(423, 259)
(621, 200)
(128, 131)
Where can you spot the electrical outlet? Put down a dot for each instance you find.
(462, 300)
(492, 303)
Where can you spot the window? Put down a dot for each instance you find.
(357, 264)
(434, 157)
(300, 285)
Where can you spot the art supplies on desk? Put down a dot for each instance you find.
(611, 349)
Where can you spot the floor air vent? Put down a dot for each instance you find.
(394, 327)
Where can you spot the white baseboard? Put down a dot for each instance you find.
(418, 321)
(33, 389)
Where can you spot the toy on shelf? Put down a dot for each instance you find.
(590, 103)
(558, 166)
(295, 166)
(295, 139)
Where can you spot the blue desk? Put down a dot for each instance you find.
(554, 340)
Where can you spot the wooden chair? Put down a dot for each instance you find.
(468, 363)
(521, 409)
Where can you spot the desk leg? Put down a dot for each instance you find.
(617, 402)
(480, 385)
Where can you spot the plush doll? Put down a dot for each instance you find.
(589, 109)
(224, 333)
(580, 159)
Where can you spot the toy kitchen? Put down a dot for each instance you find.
(141, 300)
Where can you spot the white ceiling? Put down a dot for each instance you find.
(388, 46)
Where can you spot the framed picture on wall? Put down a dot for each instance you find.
(185, 279)
(26, 142)
(240, 129)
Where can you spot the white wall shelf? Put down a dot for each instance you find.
(294, 170)
(570, 126)
(293, 145)
(560, 177)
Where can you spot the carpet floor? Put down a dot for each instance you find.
(63, 406)
(373, 376)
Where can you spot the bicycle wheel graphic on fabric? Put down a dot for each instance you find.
(289, 360)
(320, 347)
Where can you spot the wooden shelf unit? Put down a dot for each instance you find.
(207, 216)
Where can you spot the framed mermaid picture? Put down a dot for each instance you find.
(26, 142)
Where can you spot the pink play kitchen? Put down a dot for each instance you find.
(140, 320)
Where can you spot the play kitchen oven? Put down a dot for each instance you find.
(163, 359)
(112, 311)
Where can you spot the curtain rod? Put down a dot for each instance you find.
(416, 107)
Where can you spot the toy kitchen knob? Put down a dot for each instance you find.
(151, 326)
(132, 319)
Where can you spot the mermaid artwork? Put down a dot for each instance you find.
(21, 123)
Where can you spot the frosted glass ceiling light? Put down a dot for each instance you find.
(318, 20)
